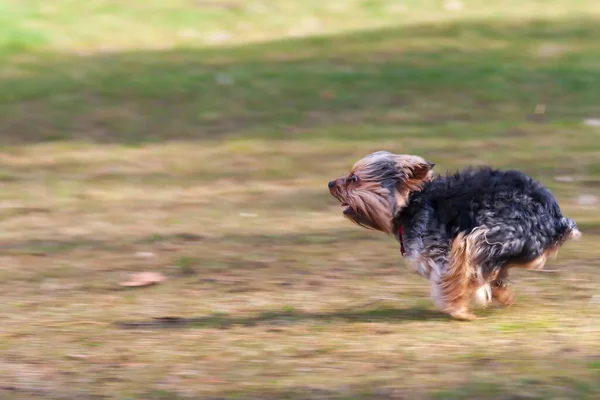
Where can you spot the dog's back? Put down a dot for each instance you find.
(520, 217)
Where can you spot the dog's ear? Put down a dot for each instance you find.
(411, 173)
(421, 171)
(412, 170)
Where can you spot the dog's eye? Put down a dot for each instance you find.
(352, 178)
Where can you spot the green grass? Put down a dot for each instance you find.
(196, 139)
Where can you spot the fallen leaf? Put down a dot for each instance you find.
(144, 279)
(73, 356)
(144, 254)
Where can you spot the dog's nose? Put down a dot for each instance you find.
(330, 184)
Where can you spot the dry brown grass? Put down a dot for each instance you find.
(152, 136)
(273, 277)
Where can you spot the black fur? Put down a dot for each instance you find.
(522, 216)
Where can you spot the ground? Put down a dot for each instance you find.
(196, 139)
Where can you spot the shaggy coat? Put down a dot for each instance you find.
(463, 231)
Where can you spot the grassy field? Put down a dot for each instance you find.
(196, 139)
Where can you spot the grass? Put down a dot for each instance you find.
(196, 139)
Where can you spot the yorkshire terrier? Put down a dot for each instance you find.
(463, 231)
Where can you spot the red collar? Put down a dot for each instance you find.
(402, 251)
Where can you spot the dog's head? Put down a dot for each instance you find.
(378, 186)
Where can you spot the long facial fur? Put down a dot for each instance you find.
(383, 182)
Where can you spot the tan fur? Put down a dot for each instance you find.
(503, 295)
(477, 238)
(462, 281)
(411, 170)
(539, 262)
(369, 199)
(417, 171)
(456, 281)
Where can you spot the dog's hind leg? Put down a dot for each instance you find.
(500, 290)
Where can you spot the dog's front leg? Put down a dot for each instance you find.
(457, 307)
(452, 286)
(443, 295)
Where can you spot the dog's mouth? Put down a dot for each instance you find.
(357, 217)
(347, 210)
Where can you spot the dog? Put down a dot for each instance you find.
(463, 231)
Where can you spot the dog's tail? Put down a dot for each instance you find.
(569, 229)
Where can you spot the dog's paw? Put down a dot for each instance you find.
(463, 315)
(504, 296)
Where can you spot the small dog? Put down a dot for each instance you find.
(462, 232)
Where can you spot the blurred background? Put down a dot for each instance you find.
(169, 159)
